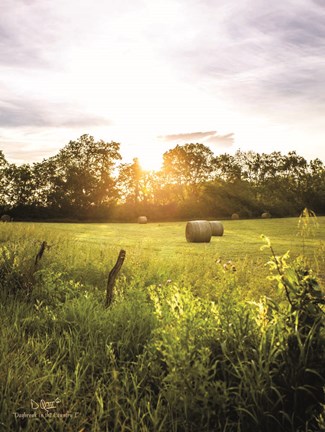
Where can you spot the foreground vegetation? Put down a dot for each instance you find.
(200, 337)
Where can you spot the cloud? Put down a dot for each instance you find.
(29, 113)
(27, 29)
(20, 150)
(22, 154)
(254, 68)
(193, 136)
(252, 54)
(221, 140)
(39, 33)
(211, 137)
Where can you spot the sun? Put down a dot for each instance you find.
(150, 161)
(148, 150)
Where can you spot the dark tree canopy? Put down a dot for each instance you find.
(86, 180)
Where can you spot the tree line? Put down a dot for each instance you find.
(87, 180)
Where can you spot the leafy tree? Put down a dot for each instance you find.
(80, 181)
(3, 179)
(131, 182)
(139, 192)
(20, 187)
(81, 175)
(226, 168)
(314, 191)
(44, 172)
(186, 167)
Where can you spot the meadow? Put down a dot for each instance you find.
(220, 336)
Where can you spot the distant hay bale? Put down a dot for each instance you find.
(5, 218)
(216, 228)
(235, 216)
(198, 231)
(142, 219)
(265, 215)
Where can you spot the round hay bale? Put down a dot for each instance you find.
(198, 231)
(265, 215)
(142, 219)
(5, 218)
(235, 216)
(216, 228)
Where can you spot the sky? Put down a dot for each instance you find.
(151, 74)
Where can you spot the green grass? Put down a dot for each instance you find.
(190, 343)
(241, 238)
(159, 252)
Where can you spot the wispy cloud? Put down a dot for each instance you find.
(21, 149)
(187, 136)
(221, 140)
(210, 137)
(257, 55)
(27, 32)
(21, 154)
(162, 66)
(17, 114)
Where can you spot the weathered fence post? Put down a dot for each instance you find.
(40, 252)
(112, 276)
(30, 276)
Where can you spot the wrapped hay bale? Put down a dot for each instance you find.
(5, 218)
(265, 215)
(198, 231)
(216, 228)
(142, 219)
(235, 216)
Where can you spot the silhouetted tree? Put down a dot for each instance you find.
(81, 175)
(186, 168)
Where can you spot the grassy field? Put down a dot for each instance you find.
(158, 252)
(198, 338)
(241, 238)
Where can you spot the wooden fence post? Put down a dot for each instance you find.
(40, 252)
(112, 276)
